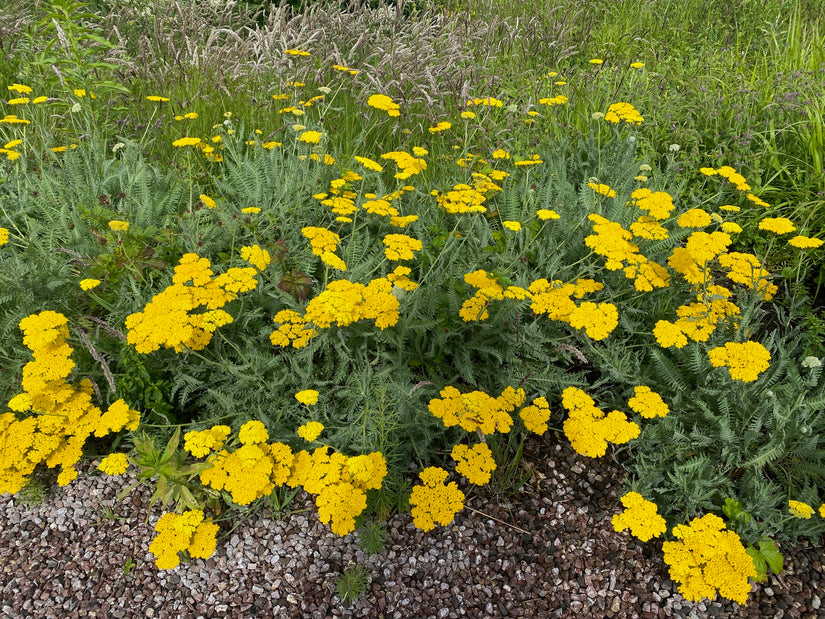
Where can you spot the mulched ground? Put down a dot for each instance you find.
(549, 551)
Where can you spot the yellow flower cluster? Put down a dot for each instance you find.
(114, 464)
(694, 218)
(588, 429)
(294, 330)
(602, 189)
(640, 516)
(63, 416)
(433, 501)
(369, 164)
(801, 242)
(691, 261)
(182, 532)
(407, 163)
(621, 111)
(385, 103)
(745, 361)
(204, 442)
(344, 302)
(168, 320)
(4, 236)
(648, 403)
(477, 410)
(88, 284)
(400, 246)
(463, 198)
(613, 242)
(731, 175)
(310, 431)
(439, 127)
(698, 320)
(554, 299)
(747, 269)
(488, 289)
(536, 415)
(708, 558)
(257, 257)
(250, 472)
(307, 397)
(485, 101)
(657, 204)
(475, 463)
(400, 277)
(777, 225)
(551, 101)
(799, 509)
(324, 243)
(339, 482)
(648, 228)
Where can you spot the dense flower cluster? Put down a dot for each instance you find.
(114, 464)
(697, 320)
(799, 509)
(694, 218)
(324, 243)
(257, 257)
(293, 331)
(63, 416)
(640, 516)
(747, 269)
(183, 532)
(201, 443)
(385, 103)
(613, 242)
(648, 403)
(433, 501)
(4, 236)
(169, 321)
(536, 415)
(801, 242)
(657, 204)
(408, 164)
(621, 111)
(307, 396)
(400, 246)
(745, 361)
(400, 278)
(588, 429)
(310, 431)
(554, 299)
(475, 463)
(602, 189)
(487, 289)
(463, 198)
(477, 410)
(344, 302)
(708, 558)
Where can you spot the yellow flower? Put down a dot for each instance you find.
(640, 516)
(118, 225)
(88, 284)
(603, 189)
(251, 210)
(157, 99)
(637, 65)
(310, 137)
(307, 396)
(694, 218)
(777, 225)
(442, 126)
(185, 141)
(475, 463)
(434, 501)
(804, 242)
(512, 225)
(296, 52)
(800, 509)
(310, 431)
(745, 361)
(468, 115)
(114, 464)
(383, 102)
(257, 257)
(618, 112)
(4, 236)
(596, 61)
(545, 214)
(207, 201)
(253, 432)
(648, 404)
(370, 164)
(20, 88)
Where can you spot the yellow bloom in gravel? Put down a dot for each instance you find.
(310, 431)
(640, 516)
(118, 225)
(475, 463)
(536, 415)
(805, 242)
(512, 225)
(186, 142)
(307, 396)
(800, 509)
(207, 201)
(434, 501)
(777, 225)
(114, 464)
(157, 98)
(545, 214)
(88, 284)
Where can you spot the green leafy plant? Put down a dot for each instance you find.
(352, 583)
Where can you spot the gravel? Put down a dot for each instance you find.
(549, 551)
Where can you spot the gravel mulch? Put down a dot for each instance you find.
(548, 552)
